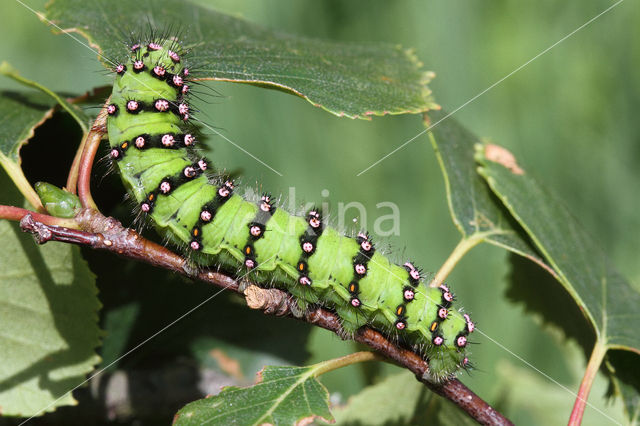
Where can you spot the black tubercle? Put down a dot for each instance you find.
(414, 274)
(113, 110)
(354, 290)
(118, 152)
(361, 264)
(147, 205)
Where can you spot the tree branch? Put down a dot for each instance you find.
(100, 232)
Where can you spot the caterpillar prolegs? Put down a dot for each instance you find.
(152, 145)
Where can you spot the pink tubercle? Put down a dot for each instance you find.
(161, 105)
(409, 294)
(168, 140)
(174, 56)
(304, 280)
(255, 231)
(165, 187)
(189, 172)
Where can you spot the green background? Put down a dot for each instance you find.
(569, 117)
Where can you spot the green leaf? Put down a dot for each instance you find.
(81, 118)
(48, 312)
(356, 80)
(392, 401)
(284, 395)
(604, 297)
(400, 400)
(474, 209)
(530, 399)
(20, 113)
(540, 293)
(623, 384)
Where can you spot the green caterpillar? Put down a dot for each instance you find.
(153, 148)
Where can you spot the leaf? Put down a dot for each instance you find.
(531, 399)
(624, 384)
(48, 312)
(20, 113)
(604, 297)
(400, 400)
(284, 395)
(540, 293)
(81, 118)
(392, 401)
(356, 80)
(475, 211)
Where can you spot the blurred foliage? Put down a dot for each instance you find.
(48, 315)
(569, 117)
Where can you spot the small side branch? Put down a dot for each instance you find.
(17, 213)
(100, 232)
(89, 148)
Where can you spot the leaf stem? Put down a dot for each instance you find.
(599, 350)
(354, 358)
(465, 244)
(74, 171)
(19, 179)
(91, 144)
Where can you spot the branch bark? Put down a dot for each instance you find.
(103, 233)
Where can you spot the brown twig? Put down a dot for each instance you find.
(17, 213)
(104, 233)
(90, 147)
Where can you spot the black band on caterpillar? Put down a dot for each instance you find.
(208, 212)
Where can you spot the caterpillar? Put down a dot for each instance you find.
(152, 145)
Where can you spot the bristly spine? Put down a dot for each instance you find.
(153, 145)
